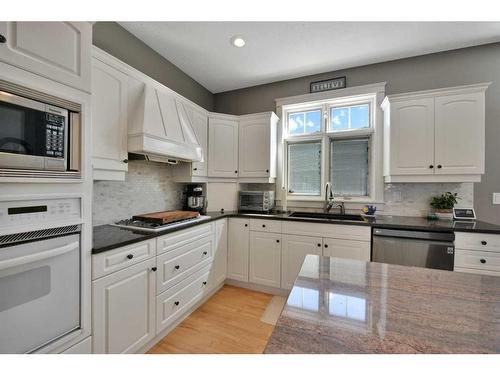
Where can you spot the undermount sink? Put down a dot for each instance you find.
(325, 216)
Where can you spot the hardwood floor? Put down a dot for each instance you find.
(229, 322)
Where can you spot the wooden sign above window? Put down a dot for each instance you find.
(329, 84)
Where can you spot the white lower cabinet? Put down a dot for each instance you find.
(293, 252)
(218, 273)
(177, 300)
(238, 243)
(350, 249)
(265, 259)
(124, 309)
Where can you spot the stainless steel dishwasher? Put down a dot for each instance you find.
(414, 248)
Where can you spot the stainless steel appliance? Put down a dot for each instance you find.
(149, 226)
(258, 201)
(414, 248)
(195, 200)
(40, 276)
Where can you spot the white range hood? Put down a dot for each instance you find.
(159, 126)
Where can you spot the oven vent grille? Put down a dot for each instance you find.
(37, 234)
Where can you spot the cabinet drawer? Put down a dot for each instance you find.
(117, 259)
(348, 232)
(478, 272)
(174, 240)
(174, 302)
(479, 260)
(177, 264)
(477, 241)
(273, 226)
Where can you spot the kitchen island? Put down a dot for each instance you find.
(348, 306)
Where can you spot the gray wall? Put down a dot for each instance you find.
(452, 68)
(118, 42)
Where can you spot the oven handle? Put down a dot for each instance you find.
(19, 261)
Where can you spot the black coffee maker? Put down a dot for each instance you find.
(195, 200)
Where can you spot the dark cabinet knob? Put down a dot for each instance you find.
(246, 225)
(195, 169)
(440, 166)
(176, 303)
(263, 225)
(177, 267)
(431, 166)
(326, 245)
(153, 269)
(267, 170)
(130, 256)
(319, 245)
(235, 171)
(205, 253)
(204, 283)
(483, 261)
(484, 243)
(125, 161)
(2, 39)
(278, 241)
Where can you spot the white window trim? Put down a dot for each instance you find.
(374, 94)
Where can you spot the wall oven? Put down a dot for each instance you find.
(40, 275)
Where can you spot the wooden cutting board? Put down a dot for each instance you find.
(166, 217)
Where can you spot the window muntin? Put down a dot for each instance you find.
(349, 117)
(349, 166)
(304, 168)
(305, 122)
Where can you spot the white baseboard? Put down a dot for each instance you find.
(259, 288)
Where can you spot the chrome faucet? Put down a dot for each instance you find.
(328, 197)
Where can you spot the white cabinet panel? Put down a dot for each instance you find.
(477, 241)
(222, 147)
(293, 251)
(219, 267)
(57, 50)
(238, 242)
(265, 259)
(199, 123)
(273, 226)
(478, 260)
(83, 347)
(359, 250)
(412, 137)
(123, 306)
(348, 232)
(109, 122)
(459, 129)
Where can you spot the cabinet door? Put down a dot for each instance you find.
(123, 309)
(237, 249)
(294, 250)
(459, 124)
(349, 249)
(412, 137)
(254, 148)
(199, 122)
(57, 50)
(219, 267)
(109, 122)
(265, 259)
(222, 148)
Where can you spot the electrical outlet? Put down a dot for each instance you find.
(496, 198)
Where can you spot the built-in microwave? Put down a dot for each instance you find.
(258, 201)
(33, 135)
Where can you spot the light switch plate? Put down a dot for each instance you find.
(496, 198)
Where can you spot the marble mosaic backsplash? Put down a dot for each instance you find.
(148, 187)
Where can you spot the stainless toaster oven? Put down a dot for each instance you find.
(259, 201)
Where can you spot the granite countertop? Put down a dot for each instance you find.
(107, 237)
(348, 306)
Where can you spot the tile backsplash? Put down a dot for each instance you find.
(148, 187)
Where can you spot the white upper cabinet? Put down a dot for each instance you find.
(435, 135)
(257, 145)
(459, 132)
(60, 51)
(222, 146)
(109, 121)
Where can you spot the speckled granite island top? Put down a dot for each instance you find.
(347, 306)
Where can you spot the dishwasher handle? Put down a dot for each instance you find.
(415, 234)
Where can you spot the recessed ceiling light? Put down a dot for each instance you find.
(237, 41)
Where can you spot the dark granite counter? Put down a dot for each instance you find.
(107, 237)
(348, 306)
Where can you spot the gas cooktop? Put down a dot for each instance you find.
(148, 226)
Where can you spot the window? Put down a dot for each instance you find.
(332, 140)
(304, 166)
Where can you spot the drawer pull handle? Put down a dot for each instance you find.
(205, 253)
(195, 169)
(176, 303)
(440, 166)
(278, 241)
(431, 166)
(326, 245)
(130, 256)
(177, 267)
(204, 283)
(484, 243)
(153, 269)
(235, 171)
(319, 245)
(263, 225)
(246, 225)
(483, 261)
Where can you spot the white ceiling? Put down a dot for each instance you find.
(276, 51)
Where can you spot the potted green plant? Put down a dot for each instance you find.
(443, 204)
